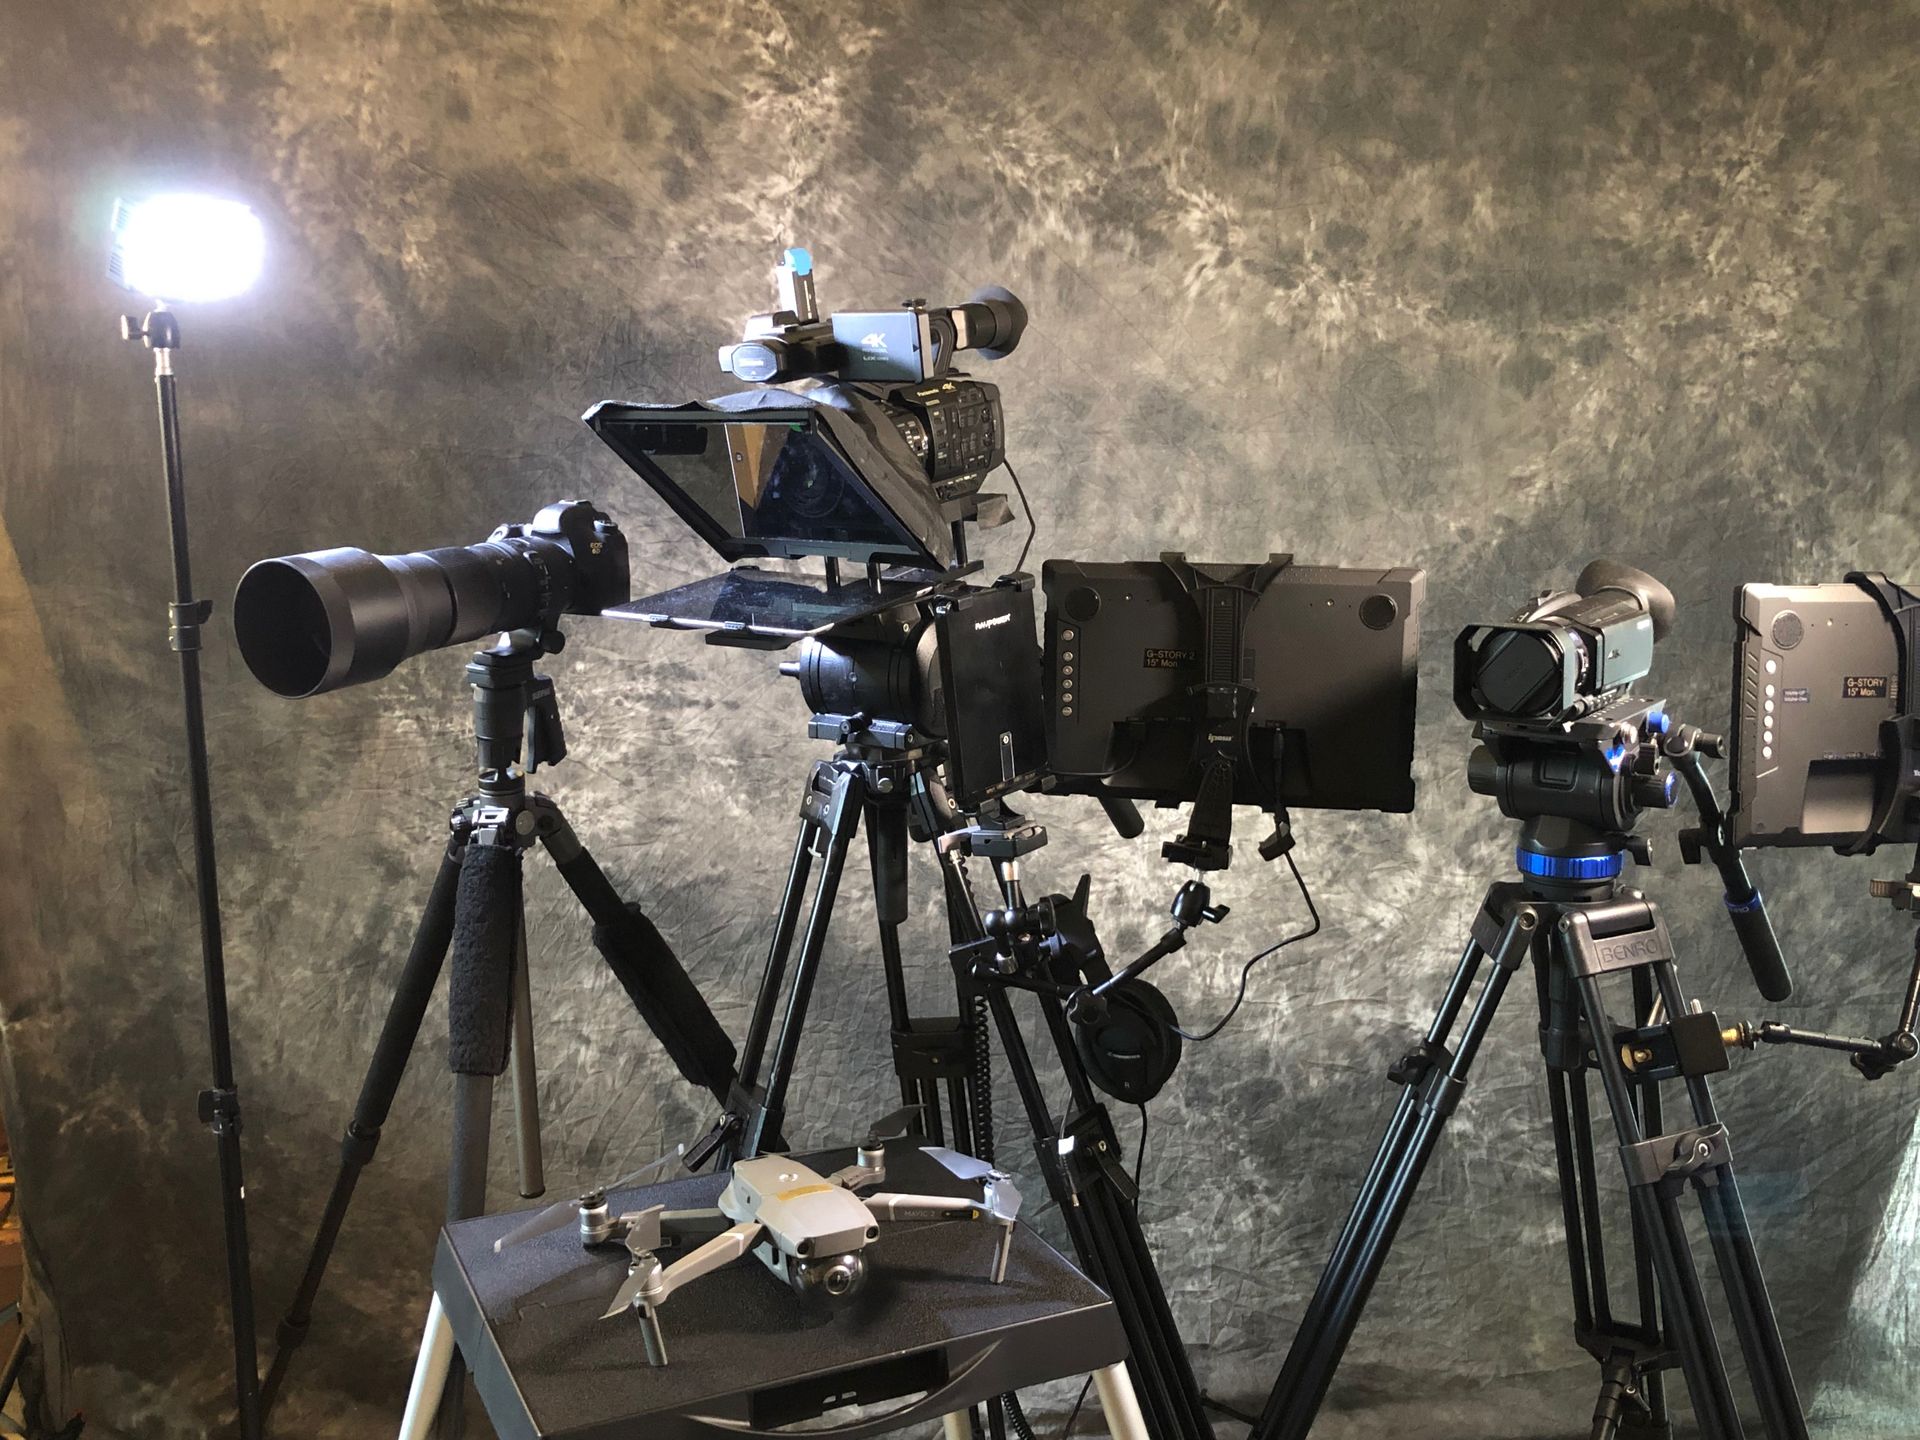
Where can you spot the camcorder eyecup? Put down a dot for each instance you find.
(996, 319)
(307, 624)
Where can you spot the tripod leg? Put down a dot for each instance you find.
(1392, 1146)
(1567, 1099)
(389, 1063)
(773, 976)
(1629, 1355)
(887, 857)
(466, 1197)
(1148, 1357)
(1656, 1203)
(641, 960)
(769, 1113)
(1646, 1284)
(526, 1090)
(1739, 1263)
(486, 935)
(1344, 1287)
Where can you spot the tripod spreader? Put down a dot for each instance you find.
(1683, 746)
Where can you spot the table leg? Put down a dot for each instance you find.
(430, 1375)
(1119, 1404)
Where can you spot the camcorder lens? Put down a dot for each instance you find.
(1519, 673)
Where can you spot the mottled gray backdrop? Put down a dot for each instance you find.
(1484, 287)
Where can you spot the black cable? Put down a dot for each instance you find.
(1074, 1414)
(1132, 755)
(1033, 527)
(1247, 969)
(1221, 1407)
(1140, 1159)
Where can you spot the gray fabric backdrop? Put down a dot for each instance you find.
(1488, 288)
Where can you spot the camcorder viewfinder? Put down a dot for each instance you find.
(1826, 735)
(1268, 685)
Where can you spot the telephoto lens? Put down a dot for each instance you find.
(311, 623)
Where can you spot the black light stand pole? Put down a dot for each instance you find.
(219, 1106)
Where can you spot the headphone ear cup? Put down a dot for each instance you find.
(1131, 1051)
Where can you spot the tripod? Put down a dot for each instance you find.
(885, 774)
(1580, 926)
(475, 908)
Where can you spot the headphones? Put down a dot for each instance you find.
(1128, 1044)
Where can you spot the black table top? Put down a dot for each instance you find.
(745, 1353)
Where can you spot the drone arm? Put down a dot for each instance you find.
(723, 1249)
(852, 1177)
(891, 1205)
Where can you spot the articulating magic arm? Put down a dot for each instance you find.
(1872, 1058)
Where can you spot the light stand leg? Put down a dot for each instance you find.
(429, 1375)
(1119, 1404)
(1104, 1231)
(955, 1425)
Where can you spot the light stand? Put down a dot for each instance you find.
(159, 331)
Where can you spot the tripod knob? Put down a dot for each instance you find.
(1656, 791)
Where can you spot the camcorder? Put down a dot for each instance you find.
(1550, 693)
(1826, 730)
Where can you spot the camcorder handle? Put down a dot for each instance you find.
(1124, 815)
(1684, 745)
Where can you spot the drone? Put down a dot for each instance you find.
(809, 1229)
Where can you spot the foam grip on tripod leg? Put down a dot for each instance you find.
(486, 926)
(667, 999)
